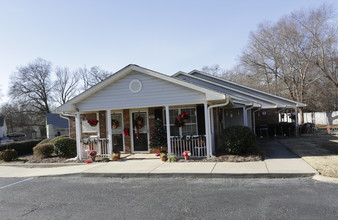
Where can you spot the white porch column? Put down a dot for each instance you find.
(168, 129)
(207, 131)
(109, 132)
(78, 135)
(212, 130)
(296, 119)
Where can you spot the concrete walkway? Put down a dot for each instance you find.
(283, 164)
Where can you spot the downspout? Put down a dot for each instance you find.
(78, 146)
(254, 118)
(209, 149)
(247, 109)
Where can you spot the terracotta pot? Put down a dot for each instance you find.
(115, 159)
(164, 159)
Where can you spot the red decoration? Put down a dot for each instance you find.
(138, 124)
(181, 119)
(126, 132)
(93, 122)
(115, 123)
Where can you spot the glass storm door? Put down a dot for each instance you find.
(117, 131)
(140, 135)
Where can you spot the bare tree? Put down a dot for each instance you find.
(32, 86)
(214, 70)
(289, 53)
(92, 77)
(66, 85)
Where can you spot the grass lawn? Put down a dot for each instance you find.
(320, 152)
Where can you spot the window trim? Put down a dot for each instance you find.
(180, 112)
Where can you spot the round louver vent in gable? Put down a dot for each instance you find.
(135, 86)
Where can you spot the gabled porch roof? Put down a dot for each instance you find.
(207, 94)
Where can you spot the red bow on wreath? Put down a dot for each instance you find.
(138, 124)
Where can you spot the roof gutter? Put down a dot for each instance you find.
(209, 140)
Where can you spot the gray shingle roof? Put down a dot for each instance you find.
(57, 121)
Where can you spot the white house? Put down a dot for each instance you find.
(56, 125)
(120, 112)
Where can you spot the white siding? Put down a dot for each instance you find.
(155, 92)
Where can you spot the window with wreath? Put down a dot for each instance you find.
(190, 126)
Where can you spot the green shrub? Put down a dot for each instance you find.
(21, 147)
(65, 147)
(172, 158)
(8, 155)
(238, 140)
(43, 150)
(105, 159)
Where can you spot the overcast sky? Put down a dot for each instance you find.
(165, 36)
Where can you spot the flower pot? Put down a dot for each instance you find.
(115, 159)
(164, 159)
(93, 158)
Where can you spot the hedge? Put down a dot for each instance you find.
(21, 147)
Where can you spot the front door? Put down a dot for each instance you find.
(140, 131)
(117, 131)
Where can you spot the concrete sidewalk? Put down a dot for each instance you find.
(284, 168)
(283, 165)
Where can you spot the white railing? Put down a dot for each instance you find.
(196, 144)
(100, 145)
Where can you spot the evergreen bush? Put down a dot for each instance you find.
(238, 140)
(65, 147)
(43, 150)
(8, 155)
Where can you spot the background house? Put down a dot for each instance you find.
(56, 125)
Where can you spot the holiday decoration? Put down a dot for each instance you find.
(93, 123)
(181, 119)
(114, 123)
(186, 154)
(159, 136)
(126, 132)
(138, 124)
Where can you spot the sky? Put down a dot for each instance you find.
(165, 36)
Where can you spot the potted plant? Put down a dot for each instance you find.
(164, 156)
(186, 154)
(114, 157)
(117, 152)
(92, 154)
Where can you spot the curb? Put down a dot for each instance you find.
(188, 175)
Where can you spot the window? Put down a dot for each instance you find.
(189, 128)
